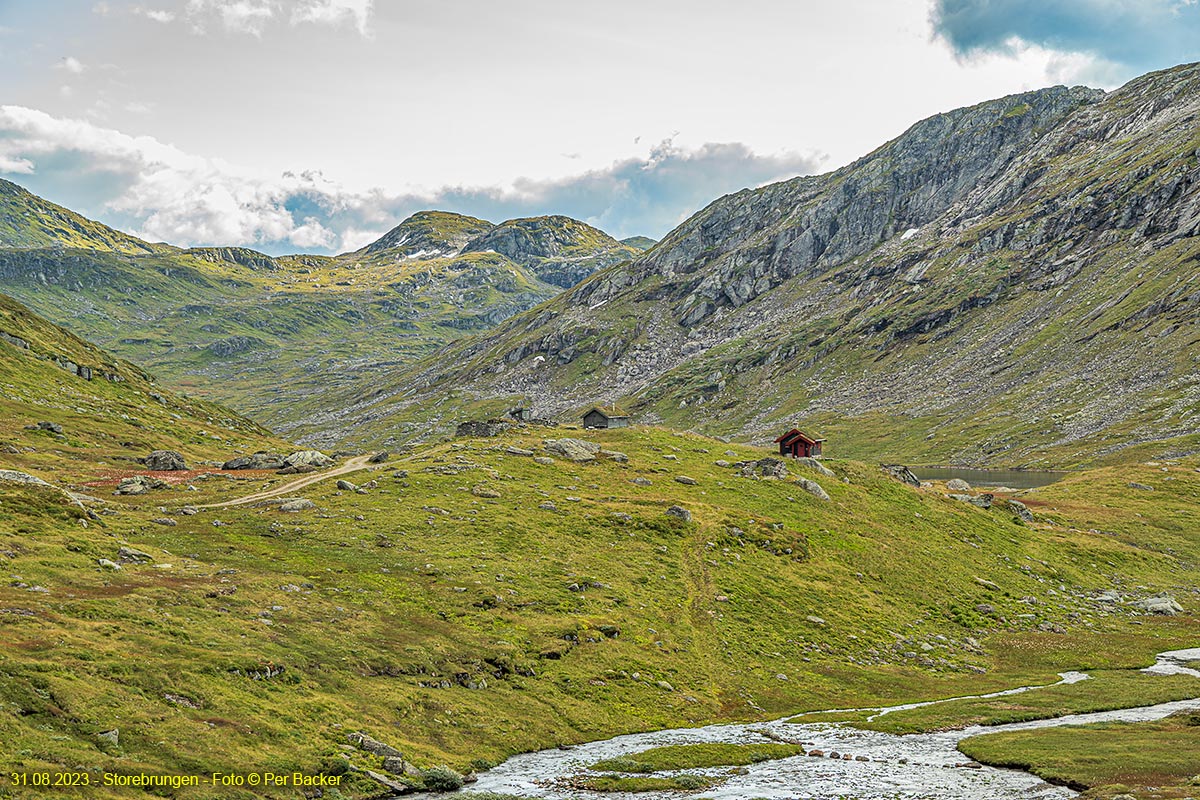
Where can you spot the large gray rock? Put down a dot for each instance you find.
(680, 512)
(14, 476)
(255, 461)
(1020, 509)
(812, 463)
(1160, 604)
(901, 473)
(292, 506)
(308, 458)
(140, 484)
(572, 449)
(958, 485)
(813, 488)
(165, 461)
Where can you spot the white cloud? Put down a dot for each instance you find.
(253, 16)
(72, 65)
(162, 193)
(16, 166)
(156, 14)
(334, 12)
(101, 9)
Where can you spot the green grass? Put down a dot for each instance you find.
(1147, 754)
(624, 783)
(386, 622)
(695, 756)
(1105, 691)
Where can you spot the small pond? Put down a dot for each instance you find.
(1012, 478)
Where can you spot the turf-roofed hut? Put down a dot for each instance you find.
(797, 444)
(611, 417)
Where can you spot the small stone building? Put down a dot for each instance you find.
(606, 418)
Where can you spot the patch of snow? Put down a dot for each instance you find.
(908, 234)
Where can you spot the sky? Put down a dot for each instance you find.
(317, 125)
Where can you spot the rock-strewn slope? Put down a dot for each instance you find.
(1000, 280)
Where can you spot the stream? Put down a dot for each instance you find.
(883, 766)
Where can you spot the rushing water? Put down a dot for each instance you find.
(885, 766)
(1012, 478)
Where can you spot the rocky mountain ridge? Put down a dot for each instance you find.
(998, 281)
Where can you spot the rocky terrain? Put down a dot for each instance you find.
(1009, 283)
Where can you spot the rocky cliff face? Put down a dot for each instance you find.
(561, 251)
(1013, 278)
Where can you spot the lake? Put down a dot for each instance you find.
(1013, 478)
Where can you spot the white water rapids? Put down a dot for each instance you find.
(883, 766)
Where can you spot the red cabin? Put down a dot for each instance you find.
(798, 444)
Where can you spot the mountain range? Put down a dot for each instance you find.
(1015, 282)
(263, 332)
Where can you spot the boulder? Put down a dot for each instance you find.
(513, 450)
(685, 480)
(379, 457)
(1020, 509)
(1140, 486)
(52, 427)
(129, 555)
(346, 486)
(613, 455)
(308, 458)
(140, 484)
(813, 488)
(299, 469)
(165, 461)
(572, 449)
(680, 512)
(812, 463)
(1160, 604)
(255, 461)
(771, 468)
(14, 476)
(292, 506)
(483, 490)
(901, 473)
(958, 485)
(477, 428)
(545, 461)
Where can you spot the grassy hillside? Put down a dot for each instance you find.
(118, 415)
(476, 603)
(28, 221)
(265, 334)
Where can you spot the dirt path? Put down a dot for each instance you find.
(353, 465)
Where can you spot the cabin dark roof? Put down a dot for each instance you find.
(609, 413)
(795, 434)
